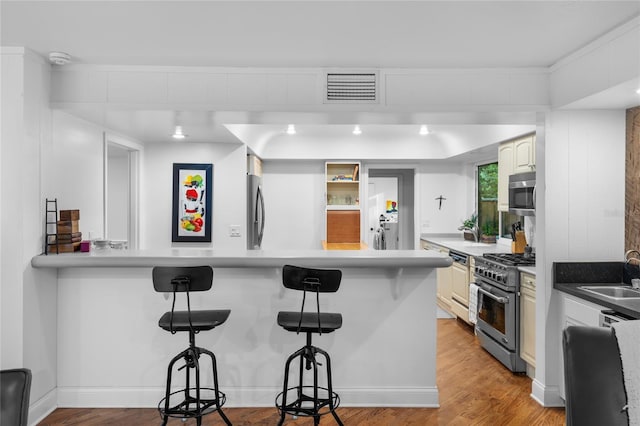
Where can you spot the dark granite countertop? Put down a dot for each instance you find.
(568, 276)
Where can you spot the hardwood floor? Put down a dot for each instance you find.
(475, 389)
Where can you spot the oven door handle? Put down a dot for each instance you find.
(492, 296)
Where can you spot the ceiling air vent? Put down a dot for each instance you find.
(352, 88)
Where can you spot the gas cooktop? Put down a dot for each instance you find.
(511, 259)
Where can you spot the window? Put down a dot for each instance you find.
(488, 219)
(506, 219)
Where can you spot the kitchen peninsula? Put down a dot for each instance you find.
(111, 351)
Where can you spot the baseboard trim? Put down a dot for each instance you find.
(547, 396)
(43, 407)
(243, 397)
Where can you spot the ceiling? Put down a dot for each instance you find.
(299, 33)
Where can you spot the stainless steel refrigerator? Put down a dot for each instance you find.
(255, 212)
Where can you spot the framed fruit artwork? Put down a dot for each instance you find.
(192, 185)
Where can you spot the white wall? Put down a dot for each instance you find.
(229, 189)
(585, 185)
(581, 217)
(294, 203)
(28, 296)
(294, 197)
(452, 181)
(73, 170)
(117, 193)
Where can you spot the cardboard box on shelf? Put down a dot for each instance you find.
(63, 248)
(68, 226)
(69, 214)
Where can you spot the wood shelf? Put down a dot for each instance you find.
(342, 209)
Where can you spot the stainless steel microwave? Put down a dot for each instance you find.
(522, 194)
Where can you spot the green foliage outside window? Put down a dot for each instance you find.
(488, 198)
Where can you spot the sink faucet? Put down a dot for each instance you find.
(476, 233)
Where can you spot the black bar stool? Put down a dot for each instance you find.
(309, 400)
(189, 402)
(15, 388)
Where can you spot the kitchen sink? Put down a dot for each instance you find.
(613, 292)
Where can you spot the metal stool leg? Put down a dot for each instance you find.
(181, 355)
(285, 385)
(330, 385)
(193, 404)
(307, 358)
(214, 366)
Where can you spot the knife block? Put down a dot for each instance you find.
(518, 245)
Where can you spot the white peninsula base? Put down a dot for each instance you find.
(111, 352)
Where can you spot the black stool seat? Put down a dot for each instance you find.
(290, 321)
(200, 320)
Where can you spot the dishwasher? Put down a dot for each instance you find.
(459, 285)
(459, 257)
(608, 317)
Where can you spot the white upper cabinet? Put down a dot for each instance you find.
(514, 156)
(524, 159)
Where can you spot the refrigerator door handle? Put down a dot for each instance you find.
(260, 198)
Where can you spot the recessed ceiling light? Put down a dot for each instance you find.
(356, 130)
(177, 134)
(638, 91)
(424, 130)
(291, 129)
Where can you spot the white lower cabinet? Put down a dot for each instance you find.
(576, 311)
(452, 292)
(445, 281)
(528, 318)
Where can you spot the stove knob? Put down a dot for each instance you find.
(500, 277)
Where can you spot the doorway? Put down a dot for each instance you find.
(386, 186)
(120, 202)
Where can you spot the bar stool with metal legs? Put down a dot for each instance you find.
(190, 401)
(309, 400)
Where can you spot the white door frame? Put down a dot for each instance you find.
(134, 149)
(416, 199)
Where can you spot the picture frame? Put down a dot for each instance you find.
(192, 201)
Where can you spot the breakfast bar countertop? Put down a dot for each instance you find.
(244, 258)
(472, 248)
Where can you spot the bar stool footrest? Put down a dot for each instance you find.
(181, 410)
(305, 405)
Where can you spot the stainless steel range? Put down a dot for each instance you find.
(498, 316)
